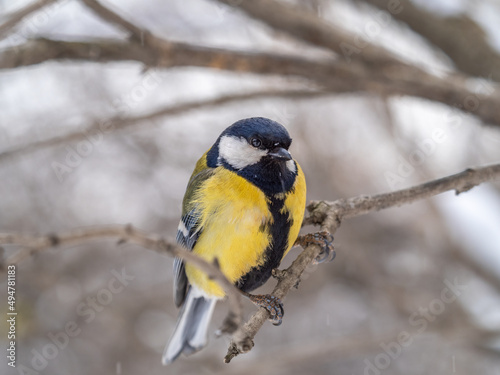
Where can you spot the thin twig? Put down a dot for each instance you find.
(330, 214)
(118, 123)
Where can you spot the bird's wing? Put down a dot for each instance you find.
(188, 232)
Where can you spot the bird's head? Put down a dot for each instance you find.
(252, 141)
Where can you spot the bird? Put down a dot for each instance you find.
(243, 208)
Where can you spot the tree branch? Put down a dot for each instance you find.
(461, 38)
(328, 215)
(312, 29)
(242, 341)
(334, 76)
(169, 54)
(126, 233)
(118, 123)
(18, 16)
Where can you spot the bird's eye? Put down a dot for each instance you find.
(256, 142)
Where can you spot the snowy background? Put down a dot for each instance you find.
(391, 266)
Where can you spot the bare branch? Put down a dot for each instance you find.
(330, 214)
(310, 28)
(460, 37)
(334, 76)
(33, 244)
(18, 16)
(169, 54)
(243, 340)
(118, 123)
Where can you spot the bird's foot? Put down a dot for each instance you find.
(271, 303)
(323, 240)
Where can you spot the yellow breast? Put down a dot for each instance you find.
(235, 220)
(233, 213)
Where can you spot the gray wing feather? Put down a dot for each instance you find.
(187, 235)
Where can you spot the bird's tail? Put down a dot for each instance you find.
(190, 334)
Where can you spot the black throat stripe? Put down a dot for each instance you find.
(279, 230)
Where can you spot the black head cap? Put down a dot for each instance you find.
(268, 131)
(269, 135)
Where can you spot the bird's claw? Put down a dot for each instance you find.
(323, 240)
(272, 304)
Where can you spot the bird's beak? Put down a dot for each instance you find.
(280, 153)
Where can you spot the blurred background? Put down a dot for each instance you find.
(413, 289)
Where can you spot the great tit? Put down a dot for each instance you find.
(243, 206)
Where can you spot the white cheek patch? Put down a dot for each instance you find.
(238, 153)
(290, 164)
